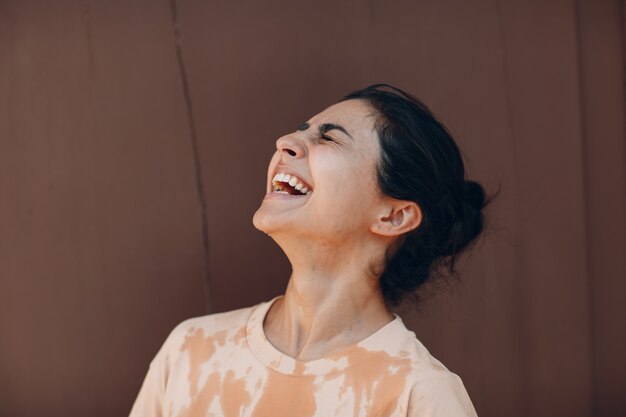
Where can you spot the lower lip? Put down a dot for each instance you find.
(282, 196)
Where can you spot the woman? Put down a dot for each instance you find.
(367, 199)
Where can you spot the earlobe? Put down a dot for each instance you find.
(401, 218)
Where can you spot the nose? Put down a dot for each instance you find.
(291, 145)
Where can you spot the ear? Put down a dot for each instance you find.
(397, 217)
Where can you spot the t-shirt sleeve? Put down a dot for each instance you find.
(149, 400)
(440, 396)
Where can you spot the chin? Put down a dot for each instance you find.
(273, 225)
(263, 221)
(257, 220)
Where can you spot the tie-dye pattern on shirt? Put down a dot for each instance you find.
(222, 365)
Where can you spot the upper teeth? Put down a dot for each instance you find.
(293, 181)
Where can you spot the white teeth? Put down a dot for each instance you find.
(293, 181)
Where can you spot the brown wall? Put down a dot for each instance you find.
(134, 141)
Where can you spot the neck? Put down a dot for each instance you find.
(331, 302)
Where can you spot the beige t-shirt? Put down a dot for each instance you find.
(222, 365)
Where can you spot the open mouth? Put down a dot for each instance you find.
(290, 184)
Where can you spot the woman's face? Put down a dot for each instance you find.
(335, 153)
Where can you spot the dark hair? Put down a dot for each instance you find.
(420, 162)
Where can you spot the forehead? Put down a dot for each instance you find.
(356, 116)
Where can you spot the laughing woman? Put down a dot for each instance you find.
(368, 200)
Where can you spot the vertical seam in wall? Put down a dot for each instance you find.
(622, 8)
(196, 158)
(585, 206)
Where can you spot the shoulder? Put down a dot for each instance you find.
(441, 394)
(205, 331)
(434, 390)
(215, 322)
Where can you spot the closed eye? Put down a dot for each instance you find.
(327, 138)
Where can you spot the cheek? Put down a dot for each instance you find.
(364, 177)
(349, 178)
(359, 196)
(350, 189)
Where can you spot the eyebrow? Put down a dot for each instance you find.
(325, 127)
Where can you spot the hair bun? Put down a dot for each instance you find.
(469, 223)
(474, 194)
